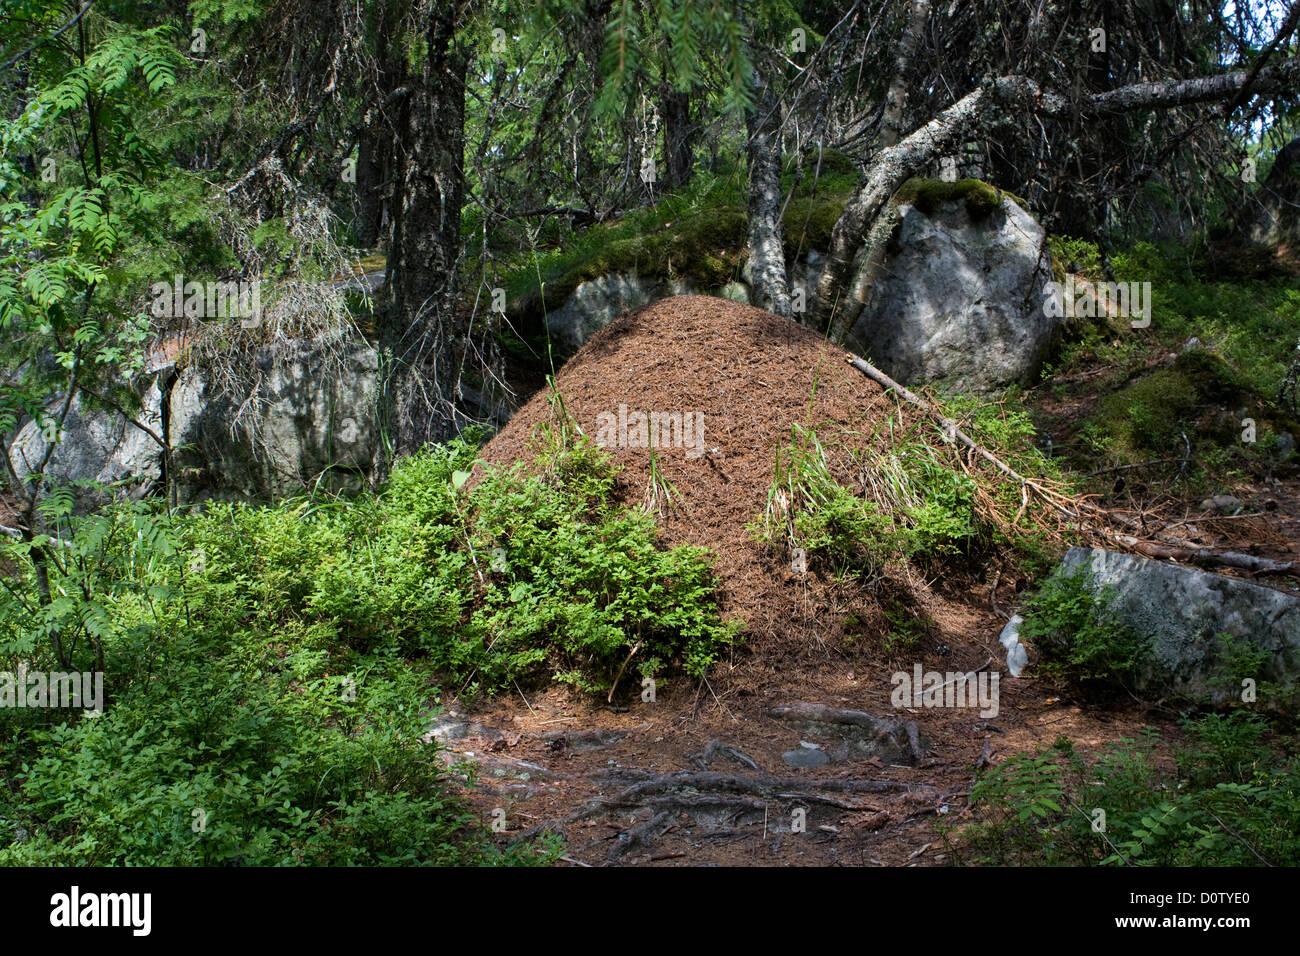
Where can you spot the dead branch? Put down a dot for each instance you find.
(1206, 557)
(951, 432)
(1089, 516)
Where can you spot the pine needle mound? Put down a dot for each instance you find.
(786, 423)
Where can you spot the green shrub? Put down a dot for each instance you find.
(270, 668)
(215, 765)
(580, 585)
(1073, 627)
(1074, 255)
(227, 737)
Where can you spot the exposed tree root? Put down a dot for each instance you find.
(715, 748)
(693, 792)
(640, 835)
(762, 786)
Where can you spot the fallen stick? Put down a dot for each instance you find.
(1208, 558)
(1200, 556)
(952, 432)
(1203, 518)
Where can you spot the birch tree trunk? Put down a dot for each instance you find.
(766, 242)
(896, 98)
(872, 262)
(863, 212)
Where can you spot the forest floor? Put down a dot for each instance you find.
(700, 774)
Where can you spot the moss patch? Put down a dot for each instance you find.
(808, 224)
(1250, 324)
(928, 195)
(703, 248)
(1145, 418)
(834, 165)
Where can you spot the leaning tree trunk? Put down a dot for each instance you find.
(417, 329)
(766, 243)
(862, 213)
(871, 263)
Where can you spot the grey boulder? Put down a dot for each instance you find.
(98, 445)
(961, 301)
(1183, 611)
(301, 426)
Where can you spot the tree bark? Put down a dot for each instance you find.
(1082, 210)
(373, 173)
(378, 131)
(896, 98)
(766, 241)
(679, 138)
(416, 331)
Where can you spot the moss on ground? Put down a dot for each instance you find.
(1200, 396)
(1250, 323)
(1146, 416)
(831, 165)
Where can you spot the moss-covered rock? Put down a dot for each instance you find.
(703, 249)
(928, 195)
(959, 300)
